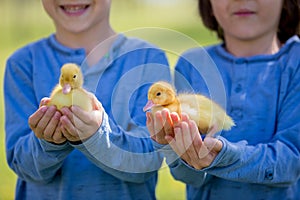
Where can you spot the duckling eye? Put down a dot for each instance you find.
(74, 76)
(158, 94)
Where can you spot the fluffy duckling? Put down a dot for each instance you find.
(199, 108)
(69, 91)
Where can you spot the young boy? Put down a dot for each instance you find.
(73, 154)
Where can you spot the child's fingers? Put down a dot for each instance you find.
(213, 144)
(184, 117)
(150, 125)
(167, 122)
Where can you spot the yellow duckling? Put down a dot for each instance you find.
(69, 91)
(199, 108)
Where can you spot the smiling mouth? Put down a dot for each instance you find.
(74, 9)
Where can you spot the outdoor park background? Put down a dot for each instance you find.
(174, 25)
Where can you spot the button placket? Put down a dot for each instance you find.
(239, 77)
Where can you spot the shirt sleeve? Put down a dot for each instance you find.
(116, 152)
(274, 164)
(31, 159)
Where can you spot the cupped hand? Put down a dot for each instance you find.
(160, 125)
(79, 125)
(188, 144)
(44, 122)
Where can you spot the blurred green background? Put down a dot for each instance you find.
(174, 25)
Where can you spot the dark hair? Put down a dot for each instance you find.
(289, 24)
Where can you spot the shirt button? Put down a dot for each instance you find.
(240, 61)
(78, 52)
(237, 113)
(269, 174)
(238, 88)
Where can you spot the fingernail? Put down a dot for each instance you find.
(62, 120)
(73, 108)
(52, 108)
(64, 111)
(44, 108)
(57, 115)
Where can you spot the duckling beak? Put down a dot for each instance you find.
(148, 105)
(66, 89)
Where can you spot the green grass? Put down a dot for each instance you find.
(173, 27)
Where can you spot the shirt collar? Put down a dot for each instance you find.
(64, 49)
(108, 58)
(220, 49)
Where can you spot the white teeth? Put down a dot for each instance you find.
(73, 9)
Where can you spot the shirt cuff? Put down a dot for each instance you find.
(158, 146)
(229, 153)
(215, 163)
(48, 146)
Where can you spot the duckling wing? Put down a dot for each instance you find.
(204, 112)
(198, 109)
(82, 99)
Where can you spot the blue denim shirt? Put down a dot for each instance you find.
(260, 158)
(118, 161)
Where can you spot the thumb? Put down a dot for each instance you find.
(44, 101)
(213, 144)
(95, 102)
